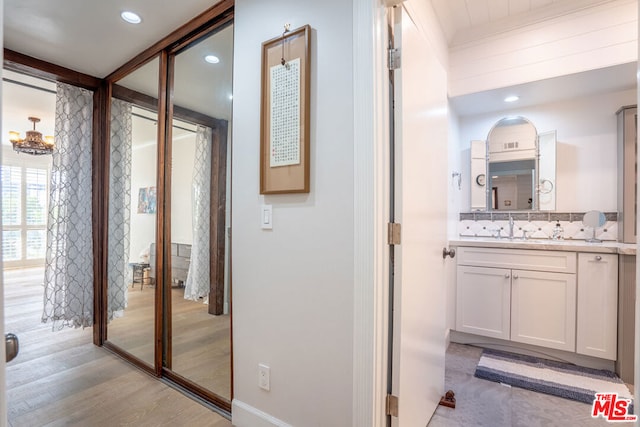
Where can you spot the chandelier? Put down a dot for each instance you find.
(33, 142)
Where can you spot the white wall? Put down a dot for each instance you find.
(586, 176)
(182, 162)
(143, 174)
(293, 286)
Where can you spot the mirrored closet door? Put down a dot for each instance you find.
(132, 217)
(168, 215)
(200, 348)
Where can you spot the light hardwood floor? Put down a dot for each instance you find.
(201, 342)
(61, 379)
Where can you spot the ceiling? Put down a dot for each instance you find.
(572, 86)
(88, 35)
(466, 20)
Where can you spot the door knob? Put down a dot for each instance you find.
(451, 252)
(11, 346)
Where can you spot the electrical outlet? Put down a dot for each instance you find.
(264, 377)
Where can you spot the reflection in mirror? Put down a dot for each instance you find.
(200, 344)
(512, 184)
(132, 218)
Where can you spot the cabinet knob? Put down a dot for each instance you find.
(515, 276)
(598, 258)
(506, 275)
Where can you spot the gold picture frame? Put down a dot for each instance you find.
(284, 118)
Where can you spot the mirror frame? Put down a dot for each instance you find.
(544, 184)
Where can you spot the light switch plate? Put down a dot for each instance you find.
(266, 217)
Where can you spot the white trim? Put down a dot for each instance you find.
(245, 415)
(371, 207)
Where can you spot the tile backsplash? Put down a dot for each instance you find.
(537, 225)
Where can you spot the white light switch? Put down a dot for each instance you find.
(266, 217)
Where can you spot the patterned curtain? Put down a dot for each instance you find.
(198, 281)
(118, 270)
(68, 293)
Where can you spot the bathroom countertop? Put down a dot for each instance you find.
(547, 245)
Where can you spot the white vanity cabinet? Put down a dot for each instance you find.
(526, 296)
(597, 305)
(543, 309)
(484, 301)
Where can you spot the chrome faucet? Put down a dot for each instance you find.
(511, 227)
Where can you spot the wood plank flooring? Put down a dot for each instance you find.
(201, 342)
(61, 379)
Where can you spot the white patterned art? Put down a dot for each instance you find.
(285, 114)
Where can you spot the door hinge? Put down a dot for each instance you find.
(395, 231)
(392, 405)
(394, 58)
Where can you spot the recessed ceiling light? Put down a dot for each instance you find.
(131, 17)
(212, 59)
(512, 98)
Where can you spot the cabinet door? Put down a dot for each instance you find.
(482, 301)
(597, 305)
(543, 309)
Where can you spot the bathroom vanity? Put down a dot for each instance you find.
(540, 295)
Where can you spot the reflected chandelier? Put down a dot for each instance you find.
(33, 142)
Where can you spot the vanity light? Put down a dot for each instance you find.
(131, 17)
(511, 98)
(212, 59)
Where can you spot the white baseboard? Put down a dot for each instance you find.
(244, 415)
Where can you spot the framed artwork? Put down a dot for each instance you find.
(284, 121)
(147, 200)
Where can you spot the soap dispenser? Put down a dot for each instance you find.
(558, 232)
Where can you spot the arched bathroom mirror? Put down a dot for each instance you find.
(514, 169)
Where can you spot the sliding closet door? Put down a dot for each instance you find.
(132, 223)
(168, 305)
(198, 334)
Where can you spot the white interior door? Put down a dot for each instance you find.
(421, 128)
